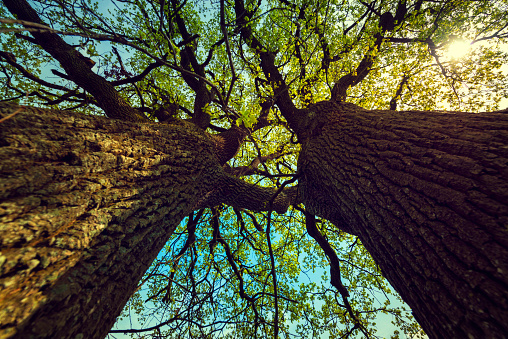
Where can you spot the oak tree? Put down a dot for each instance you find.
(286, 135)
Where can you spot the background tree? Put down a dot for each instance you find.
(237, 90)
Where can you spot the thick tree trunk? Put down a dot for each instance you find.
(86, 203)
(427, 194)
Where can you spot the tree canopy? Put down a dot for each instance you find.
(233, 68)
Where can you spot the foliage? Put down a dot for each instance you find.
(214, 277)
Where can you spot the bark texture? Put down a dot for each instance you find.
(427, 194)
(86, 204)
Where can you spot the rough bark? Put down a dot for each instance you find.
(427, 194)
(86, 203)
(228, 143)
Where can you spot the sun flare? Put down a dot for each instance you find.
(458, 49)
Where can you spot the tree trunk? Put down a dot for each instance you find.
(86, 203)
(427, 194)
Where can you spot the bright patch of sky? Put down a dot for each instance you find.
(458, 49)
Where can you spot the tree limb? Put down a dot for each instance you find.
(339, 90)
(75, 67)
(272, 74)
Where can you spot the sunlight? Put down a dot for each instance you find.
(458, 49)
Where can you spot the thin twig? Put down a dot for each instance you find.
(24, 23)
(13, 114)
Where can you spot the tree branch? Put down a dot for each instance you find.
(335, 280)
(191, 237)
(228, 50)
(403, 82)
(252, 168)
(329, 252)
(138, 77)
(271, 72)
(11, 60)
(74, 65)
(339, 90)
(240, 194)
